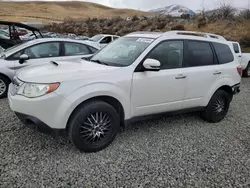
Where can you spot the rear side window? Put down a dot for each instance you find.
(223, 53)
(199, 54)
(236, 48)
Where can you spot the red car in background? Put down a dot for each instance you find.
(20, 32)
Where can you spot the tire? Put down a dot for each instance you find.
(217, 107)
(4, 85)
(246, 72)
(82, 126)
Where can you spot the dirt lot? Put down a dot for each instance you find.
(178, 151)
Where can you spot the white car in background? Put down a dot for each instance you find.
(40, 51)
(102, 40)
(244, 59)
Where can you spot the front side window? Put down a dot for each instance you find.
(106, 40)
(44, 50)
(75, 49)
(169, 54)
(123, 51)
(199, 54)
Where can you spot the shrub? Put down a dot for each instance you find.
(134, 18)
(244, 14)
(161, 25)
(226, 11)
(245, 41)
(178, 27)
(202, 22)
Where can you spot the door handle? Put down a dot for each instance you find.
(239, 56)
(181, 76)
(217, 72)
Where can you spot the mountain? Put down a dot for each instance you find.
(173, 10)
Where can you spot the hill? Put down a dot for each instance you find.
(174, 10)
(59, 10)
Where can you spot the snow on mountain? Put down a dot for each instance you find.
(174, 10)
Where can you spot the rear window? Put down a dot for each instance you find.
(223, 53)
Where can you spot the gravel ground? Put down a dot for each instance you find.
(178, 151)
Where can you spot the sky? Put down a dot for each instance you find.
(151, 4)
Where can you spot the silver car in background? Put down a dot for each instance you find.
(40, 51)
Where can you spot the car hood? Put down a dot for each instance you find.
(62, 71)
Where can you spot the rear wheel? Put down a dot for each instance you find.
(218, 107)
(94, 126)
(4, 85)
(246, 72)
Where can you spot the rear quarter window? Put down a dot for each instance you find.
(236, 48)
(223, 53)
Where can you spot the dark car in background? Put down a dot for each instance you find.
(16, 30)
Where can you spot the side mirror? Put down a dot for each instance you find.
(23, 58)
(152, 65)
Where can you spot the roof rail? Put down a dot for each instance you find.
(195, 33)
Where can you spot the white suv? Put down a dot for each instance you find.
(137, 75)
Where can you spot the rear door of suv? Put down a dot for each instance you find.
(202, 71)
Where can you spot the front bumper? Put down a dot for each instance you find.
(50, 109)
(38, 125)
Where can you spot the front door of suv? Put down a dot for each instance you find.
(164, 90)
(202, 71)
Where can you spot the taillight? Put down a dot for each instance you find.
(239, 69)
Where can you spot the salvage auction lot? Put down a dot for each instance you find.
(177, 151)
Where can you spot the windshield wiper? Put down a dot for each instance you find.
(99, 62)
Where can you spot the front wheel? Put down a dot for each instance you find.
(217, 108)
(4, 85)
(93, 126)
(246, 72)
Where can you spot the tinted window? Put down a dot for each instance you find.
(106, 40)
(44, 50)
(75, 49)
(199, 54)
(169, 53)
(236, 48)
(223, 52)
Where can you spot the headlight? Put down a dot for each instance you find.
(32, 90)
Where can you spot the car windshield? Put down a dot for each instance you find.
(123, 51)
(96, 38)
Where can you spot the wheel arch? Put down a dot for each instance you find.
(224, 83)
(5, 76)
(115, 103)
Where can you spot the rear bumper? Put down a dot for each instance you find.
(236, 89)
(38, 125)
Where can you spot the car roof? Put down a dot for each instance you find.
(106, 35)
(145, 34)
(191, 35)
